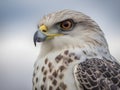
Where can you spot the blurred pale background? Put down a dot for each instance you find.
(18, 22)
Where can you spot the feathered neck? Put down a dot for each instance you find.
(90, 50)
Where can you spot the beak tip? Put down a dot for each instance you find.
(35, 38)
(38, 37)
(35, 44)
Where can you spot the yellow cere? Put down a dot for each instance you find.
(43, 28)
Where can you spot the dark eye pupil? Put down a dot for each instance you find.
(65, 24)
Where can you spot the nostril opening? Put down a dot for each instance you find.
(44, 30)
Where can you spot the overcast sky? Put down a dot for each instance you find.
(18, 22)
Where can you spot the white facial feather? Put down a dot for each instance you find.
(85, 34)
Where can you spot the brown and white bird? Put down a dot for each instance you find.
(74, 55)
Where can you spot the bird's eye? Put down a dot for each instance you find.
(66, 25)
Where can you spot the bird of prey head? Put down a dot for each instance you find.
(68, 28)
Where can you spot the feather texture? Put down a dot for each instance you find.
(97, 74)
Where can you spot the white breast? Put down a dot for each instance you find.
(55, 71)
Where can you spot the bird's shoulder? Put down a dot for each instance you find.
(97, 74)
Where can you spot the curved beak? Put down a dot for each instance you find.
(39, 37)
(42, 34)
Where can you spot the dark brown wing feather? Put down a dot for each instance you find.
(98, 74)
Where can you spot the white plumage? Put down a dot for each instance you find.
(74, 55)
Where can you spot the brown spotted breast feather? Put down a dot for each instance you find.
(50, 74)
(97, 74)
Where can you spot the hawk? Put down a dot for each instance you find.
(74, 54)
